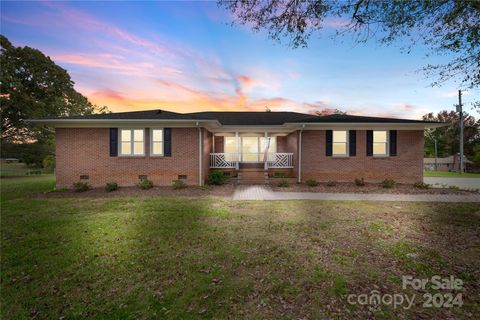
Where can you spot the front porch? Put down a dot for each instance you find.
(266, 150)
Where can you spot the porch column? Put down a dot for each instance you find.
(236, 150)
(213, 143)
(300, 155)
(265, 154)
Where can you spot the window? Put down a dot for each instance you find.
(251, 149)
(340, 143)
(157, 142)
(380, 143)
(132, 142)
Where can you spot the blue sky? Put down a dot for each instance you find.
(185, 56)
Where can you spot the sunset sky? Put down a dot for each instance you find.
(185, 56)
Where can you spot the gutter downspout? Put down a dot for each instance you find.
(300, 155)
(200, 166)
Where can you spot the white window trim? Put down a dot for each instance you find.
(132, 142)
(151, 143)
(347, 149)
(387, 145)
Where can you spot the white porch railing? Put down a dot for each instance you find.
(223, 160)
(280, 160)
(231, 160)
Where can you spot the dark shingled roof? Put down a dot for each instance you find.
(137, 115)
(332, 118)
(242, 118)
(253, 118)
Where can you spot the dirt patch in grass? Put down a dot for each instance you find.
(347, 187)
(225, 190)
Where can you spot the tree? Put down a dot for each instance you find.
(448, 137)
(444, 26)
(33, 86)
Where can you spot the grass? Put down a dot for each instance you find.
(170, 258)
(450, 174)
(18, 170)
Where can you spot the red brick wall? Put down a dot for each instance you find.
(292, 146)
(219, 144)
(406, 167)
(207, 149)
(85, 151)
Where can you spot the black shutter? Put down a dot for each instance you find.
(167, 142)
(393, 142)
(113, 142)
(146, 142)
(369, 143)
(328, 142)
(352, 141)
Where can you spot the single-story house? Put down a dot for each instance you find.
(450, 163)
(164, 146)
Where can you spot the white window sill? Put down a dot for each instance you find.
(379, 156)
(340, 156)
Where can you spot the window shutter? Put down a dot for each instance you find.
(113, 142)
(352, 141)
(167, 142)
(147, 139)
(393, 142)
(369, 143)
(328, 142)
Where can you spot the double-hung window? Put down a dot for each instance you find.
(340, 143)
(157, 142)
(380, 143)
(132, 142)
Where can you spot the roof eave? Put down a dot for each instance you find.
(136, 122)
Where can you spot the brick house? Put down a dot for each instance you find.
(251, 146)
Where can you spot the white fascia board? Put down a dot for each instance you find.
(253, 129)
(107, 123)
(367, 126)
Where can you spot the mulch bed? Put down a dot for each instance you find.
(225, 190)
(347, 187)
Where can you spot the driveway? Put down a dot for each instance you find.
(459, 182)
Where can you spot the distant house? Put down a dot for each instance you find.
(9, 160)
(164, 146)
(451, 163)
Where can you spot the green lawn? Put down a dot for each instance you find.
(18, 170)
(169, 257)
(450, 174)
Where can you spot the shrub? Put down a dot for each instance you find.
(421, 185)
(216, 177)
(81, 186)
(388, 183)
(179, 184)
(331, 183)
(145, 184)
(456, 188)
(312, 183)
(359, 182)
(111, 186)
(49, 163)
(283, 184)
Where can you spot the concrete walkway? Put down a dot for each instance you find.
(261, 192)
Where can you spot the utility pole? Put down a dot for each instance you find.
(436, 165)
(459, 109)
